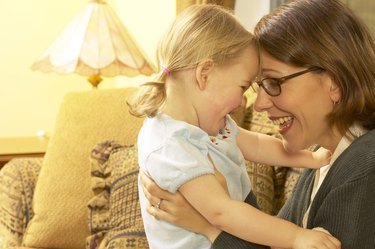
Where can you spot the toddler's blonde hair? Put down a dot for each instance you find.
(199, 32)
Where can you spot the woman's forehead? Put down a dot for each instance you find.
(270, 64)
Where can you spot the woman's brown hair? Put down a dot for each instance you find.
(326, 34)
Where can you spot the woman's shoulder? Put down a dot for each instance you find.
(365, 143)
(368, 137)
(358, 160)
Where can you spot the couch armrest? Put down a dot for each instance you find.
(17, 182)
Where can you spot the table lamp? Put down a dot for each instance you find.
(94, 44)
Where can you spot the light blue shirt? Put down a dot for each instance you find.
(174, 152)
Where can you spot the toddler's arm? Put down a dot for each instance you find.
(266, 149)
(246, 222)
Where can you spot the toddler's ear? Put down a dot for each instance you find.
(202, 72)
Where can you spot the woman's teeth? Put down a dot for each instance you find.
(281, 121)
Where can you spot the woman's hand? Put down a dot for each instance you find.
(175, 209)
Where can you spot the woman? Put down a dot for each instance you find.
(318, 78)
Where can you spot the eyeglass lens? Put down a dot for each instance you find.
(270, 86)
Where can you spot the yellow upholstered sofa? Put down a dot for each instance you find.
(83, 193)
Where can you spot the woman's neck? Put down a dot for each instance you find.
(335, 137)
(331, 140)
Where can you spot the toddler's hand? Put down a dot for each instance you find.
(308, 239)
(322, 157)
(321, 229)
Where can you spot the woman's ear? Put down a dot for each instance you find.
(335, 92)
(203, 70)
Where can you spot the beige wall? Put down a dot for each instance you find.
(365, 9)
(249, 12)
(146, 20)
(29, 100)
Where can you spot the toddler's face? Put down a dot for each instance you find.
(225, 88)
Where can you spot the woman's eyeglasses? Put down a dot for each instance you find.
(272, 86)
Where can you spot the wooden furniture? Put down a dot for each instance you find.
(21, 147)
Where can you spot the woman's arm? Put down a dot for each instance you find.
(266, 149)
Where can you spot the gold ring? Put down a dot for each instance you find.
(158, 204)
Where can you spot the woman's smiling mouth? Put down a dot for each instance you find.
(284, 123)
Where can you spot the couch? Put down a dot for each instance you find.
(83, 193)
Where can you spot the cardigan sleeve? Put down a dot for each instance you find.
(344, 204)
(226, 240)
(348, 214)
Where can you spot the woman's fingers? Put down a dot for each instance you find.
(152, 191)
(145, 184)
(174, 208)
(160, 213)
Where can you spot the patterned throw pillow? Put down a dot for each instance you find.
(261, 178)
(63, 188)
(17, 183)
(114, 213)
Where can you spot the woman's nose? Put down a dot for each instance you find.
(263, 101)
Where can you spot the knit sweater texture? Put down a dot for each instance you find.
(344, 204)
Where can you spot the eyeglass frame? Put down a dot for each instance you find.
(281, 80)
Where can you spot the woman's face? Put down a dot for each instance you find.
(301, 108)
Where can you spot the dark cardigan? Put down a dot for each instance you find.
(344, 204)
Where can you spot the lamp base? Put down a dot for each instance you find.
(95, 80)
